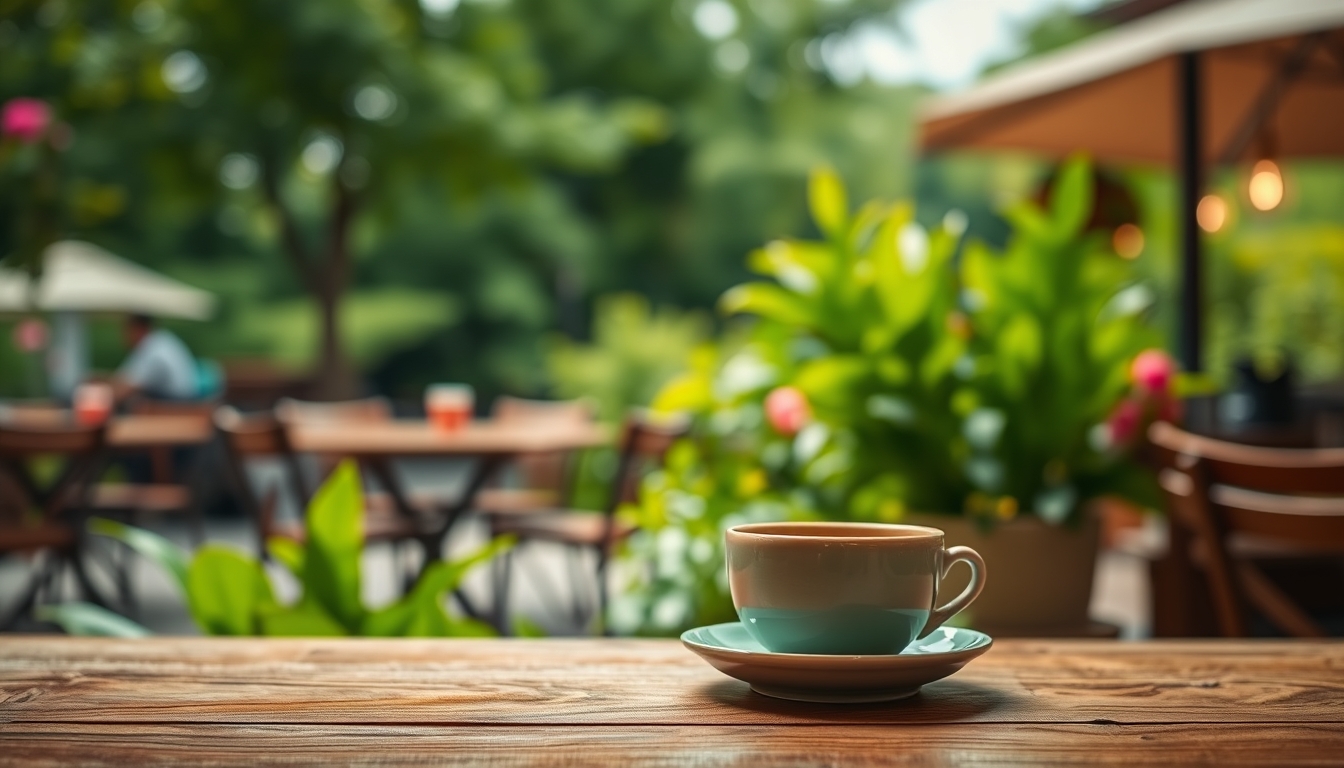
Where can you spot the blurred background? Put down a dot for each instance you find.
(385, 194)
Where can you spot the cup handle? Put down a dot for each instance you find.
(953, 556)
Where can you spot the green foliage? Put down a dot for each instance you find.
(972, 385)
(634, 351)
(89, 620)
(1059, 323)
(229, 593)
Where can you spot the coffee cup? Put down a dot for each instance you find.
(843, 588)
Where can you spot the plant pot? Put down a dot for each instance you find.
(1039, 576)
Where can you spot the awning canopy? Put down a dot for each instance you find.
(81, 277)
(1272, 83)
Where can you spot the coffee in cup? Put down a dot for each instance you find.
(843, 588)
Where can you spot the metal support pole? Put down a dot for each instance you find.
(1190, 158)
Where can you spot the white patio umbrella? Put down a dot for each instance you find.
(1201, 82)
(80, 278)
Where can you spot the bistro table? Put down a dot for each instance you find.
(142, 431)
(650, 702)
(490, 444)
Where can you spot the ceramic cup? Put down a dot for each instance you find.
(843, 588)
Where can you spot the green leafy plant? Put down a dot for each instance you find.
(1057, 322)
(882, 375)
(229, 592)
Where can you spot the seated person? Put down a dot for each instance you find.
(159, 367)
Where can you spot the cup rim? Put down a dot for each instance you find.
(915, 533)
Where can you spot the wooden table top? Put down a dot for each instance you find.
(159, 430)
(623, 702)
(419, 438)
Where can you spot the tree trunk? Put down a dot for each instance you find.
(336, 377)
(326, 278)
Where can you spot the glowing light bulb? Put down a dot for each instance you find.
(1266, 188)
(1211, 213)
(1128, 241)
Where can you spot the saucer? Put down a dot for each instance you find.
(835, 679)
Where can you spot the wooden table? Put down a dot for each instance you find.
(490, 444)
(158, 431)
(650, 702)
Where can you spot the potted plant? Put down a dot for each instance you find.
(883, 379)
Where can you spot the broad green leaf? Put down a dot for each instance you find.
(331, 563)
(89, 620)
(831, 381)
(303, 620)
(689, 392)
(226, 590)
(769, 301)
(288, 553)
(826, 197)
(390, 621)
(1071, 199)
(147, 544)
(420, 613)
(1018, 348)
(940, 360)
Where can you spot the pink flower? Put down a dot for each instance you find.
(30, 335)
(1152, 370)
(25, 119)
(1124, 421)
(787, 410)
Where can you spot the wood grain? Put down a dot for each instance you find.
(921, 745)
(641, 682)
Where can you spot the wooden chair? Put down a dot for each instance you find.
(170, 490)
(252, 437)
(643, 443)
(54, 534)
(544, 479)
(1238, 499)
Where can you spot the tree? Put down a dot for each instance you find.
(323, 106)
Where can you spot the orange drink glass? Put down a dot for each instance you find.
(449, 406)
(93, 403)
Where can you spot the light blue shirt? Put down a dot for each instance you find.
(161, 366)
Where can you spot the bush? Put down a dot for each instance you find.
(885, 373)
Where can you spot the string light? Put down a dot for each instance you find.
(1128, 241)
(1266, 187)
(1211, 213)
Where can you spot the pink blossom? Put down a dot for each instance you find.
(787, 410)
(1152, 370)
(1124, 421)
(25, 119)
(30, 335)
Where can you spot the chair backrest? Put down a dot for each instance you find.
(549, 472)
(645, 439)
(24, 437)
(248, 437)
(1284, 495)
(365, 410)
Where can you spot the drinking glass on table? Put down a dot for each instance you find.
(449, 406)
(93, 403)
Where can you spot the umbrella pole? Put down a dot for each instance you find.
(1190, 156)
(69, 354)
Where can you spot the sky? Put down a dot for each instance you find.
(941, 43)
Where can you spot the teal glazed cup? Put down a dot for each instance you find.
(843, 588)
